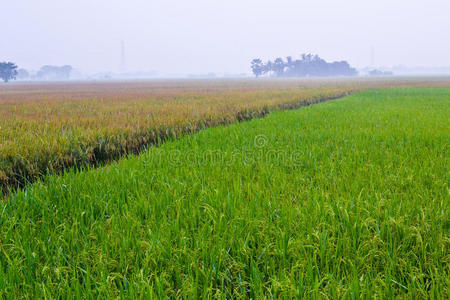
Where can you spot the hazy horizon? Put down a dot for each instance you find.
(201, 36)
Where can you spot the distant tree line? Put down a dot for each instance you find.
(307, 66)
(9, 71)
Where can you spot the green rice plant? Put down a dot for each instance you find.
(344, 199)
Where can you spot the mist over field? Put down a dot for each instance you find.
(200, 37)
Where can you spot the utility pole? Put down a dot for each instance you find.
(122, 58)
(372, 56)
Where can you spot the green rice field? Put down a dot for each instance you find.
(346, 199)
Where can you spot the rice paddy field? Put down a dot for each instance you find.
(347, 198)
(49, 127)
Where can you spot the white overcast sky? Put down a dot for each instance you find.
(195, 36)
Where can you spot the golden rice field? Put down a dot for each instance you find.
(49, 127)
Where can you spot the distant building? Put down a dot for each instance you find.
(376, 72)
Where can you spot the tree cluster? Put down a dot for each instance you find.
(54, 72)
(307, 66)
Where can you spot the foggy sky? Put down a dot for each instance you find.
(195, 36)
